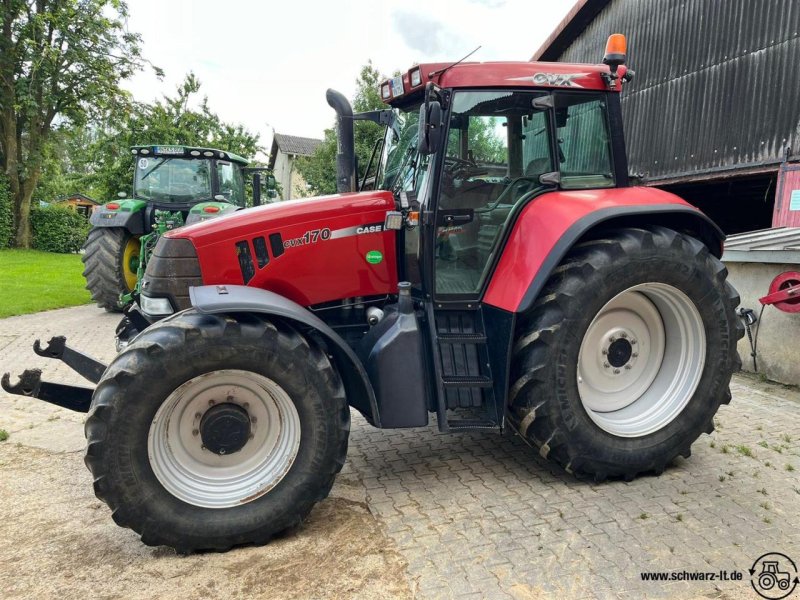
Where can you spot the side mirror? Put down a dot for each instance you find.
(121, 194)
(430, 127)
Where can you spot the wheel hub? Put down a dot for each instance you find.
(225, 428)
(619, 352)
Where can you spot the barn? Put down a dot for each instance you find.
(713, 112)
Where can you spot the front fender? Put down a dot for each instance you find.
(550, 225)
(213, 299)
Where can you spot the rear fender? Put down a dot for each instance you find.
(214, 299)
(129, 215)
(553, 223)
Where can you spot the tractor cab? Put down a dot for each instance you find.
(475, 156)
(178, 178)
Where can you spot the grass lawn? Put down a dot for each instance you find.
(31, 281)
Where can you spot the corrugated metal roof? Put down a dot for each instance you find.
(568, 29)
(778, 245)
(716, 86)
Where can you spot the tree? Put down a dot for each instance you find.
(319, 170)
(59, 60)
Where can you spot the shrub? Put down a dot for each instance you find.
(58, 229)
(6, 226)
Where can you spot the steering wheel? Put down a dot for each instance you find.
(514, 183)
(459, 165)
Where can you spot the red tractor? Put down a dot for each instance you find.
(502, 274)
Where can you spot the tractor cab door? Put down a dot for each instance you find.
(498, 145)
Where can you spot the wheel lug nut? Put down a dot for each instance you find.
(195, 431)
(611, 339)
(616, 371)
(252, 419)
(606, 365)
(222, 450)
(246, 405)
(627, 366)
(251, 436)
(623, 335)
(633, 342)
(229, 399)
(197, 415)
(635, 355)
(605, 351)
(211, 403)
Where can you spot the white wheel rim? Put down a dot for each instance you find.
(203, 478)
(641, 360)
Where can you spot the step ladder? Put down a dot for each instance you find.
(462, 371)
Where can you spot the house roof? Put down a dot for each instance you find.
(76, 196)
(565, 33)
(291, 144)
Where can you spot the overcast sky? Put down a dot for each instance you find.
(267, 65)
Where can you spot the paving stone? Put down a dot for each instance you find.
(484, 516)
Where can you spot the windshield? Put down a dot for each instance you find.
(178, 180)
(399, 159)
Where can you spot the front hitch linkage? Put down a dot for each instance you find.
(73, 397)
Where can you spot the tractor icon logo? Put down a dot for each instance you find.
(774, 576)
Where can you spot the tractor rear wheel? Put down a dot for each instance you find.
(628, 354)
(212, 431)
(111, 259)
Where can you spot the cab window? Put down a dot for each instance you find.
(231, 182)
(584, 142)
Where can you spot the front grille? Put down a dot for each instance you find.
(172, 270)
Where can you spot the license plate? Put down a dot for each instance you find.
(173, 150)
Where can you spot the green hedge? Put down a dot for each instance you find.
(58, 229)
(6, 226)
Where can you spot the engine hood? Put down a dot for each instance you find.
(312, 251)
(258, 219)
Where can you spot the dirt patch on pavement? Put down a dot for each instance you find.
(58, 540)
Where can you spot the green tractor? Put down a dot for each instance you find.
(172, 186)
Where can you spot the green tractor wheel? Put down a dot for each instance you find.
(111, 260)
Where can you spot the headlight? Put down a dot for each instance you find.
(155, 306)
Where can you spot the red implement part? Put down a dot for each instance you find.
(784, 292)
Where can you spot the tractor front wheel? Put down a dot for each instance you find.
(111, 260)
(212, 431)
(625, 359)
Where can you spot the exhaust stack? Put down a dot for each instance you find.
(345, 145)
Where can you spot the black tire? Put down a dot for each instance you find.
(173, 352)
(545, 405)
(103, 266)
